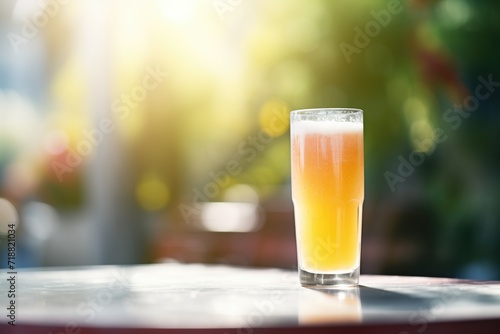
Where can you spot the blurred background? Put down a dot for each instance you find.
(153, 131)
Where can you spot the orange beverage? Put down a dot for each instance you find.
(328, 191)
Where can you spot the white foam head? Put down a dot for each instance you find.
(326, 127)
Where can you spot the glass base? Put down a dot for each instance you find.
(308, 279)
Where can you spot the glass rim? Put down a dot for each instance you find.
(316, 111)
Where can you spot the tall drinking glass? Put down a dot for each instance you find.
(328, 193)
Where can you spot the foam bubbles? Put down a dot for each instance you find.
(326, 127)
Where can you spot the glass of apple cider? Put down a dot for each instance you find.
(328, 192)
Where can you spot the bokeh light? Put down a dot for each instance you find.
(163, 128)
(152, 193)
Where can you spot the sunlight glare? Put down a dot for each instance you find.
(178, 11)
